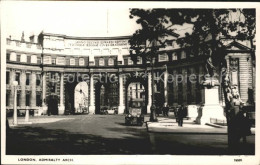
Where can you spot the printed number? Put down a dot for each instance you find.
(237, 160)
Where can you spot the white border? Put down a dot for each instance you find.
(134, 159)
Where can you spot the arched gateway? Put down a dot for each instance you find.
(58, 56)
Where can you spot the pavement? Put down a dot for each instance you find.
(108, 134)
(169, 125)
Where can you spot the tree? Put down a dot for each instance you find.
(210, 27)
(146, 41)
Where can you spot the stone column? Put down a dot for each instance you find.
(184, 85)
(33, 90)
(92, 103)
(166, 87)
(23, 93)
(149, 92)
(44, 107)
(175, 88)
(121, 107)
(12, 78)
(61, 107)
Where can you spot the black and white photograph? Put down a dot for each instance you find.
(128, 83)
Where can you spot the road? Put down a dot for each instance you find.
(107, 134)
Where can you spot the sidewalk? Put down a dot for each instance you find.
(37, 120)
(169, 125)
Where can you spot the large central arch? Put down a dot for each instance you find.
(144, 83)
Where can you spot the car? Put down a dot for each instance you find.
(134, 117)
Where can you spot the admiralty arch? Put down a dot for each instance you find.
(89, 73)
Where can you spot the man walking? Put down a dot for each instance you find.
(180, 114)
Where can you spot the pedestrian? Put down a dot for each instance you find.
(180, 115)
(165, 109)
(175, 109)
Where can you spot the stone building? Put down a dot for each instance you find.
(53, 66)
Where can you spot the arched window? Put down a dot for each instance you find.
(174, 56)
(130, 61)
(101, 62)
(139, 60)
(110, 61)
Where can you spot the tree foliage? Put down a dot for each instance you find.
(209, 25)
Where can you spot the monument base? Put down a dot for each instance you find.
(210, 109)
(207, 112)
(121, 109)
(91, 109)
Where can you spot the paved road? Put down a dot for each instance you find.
(107, 134)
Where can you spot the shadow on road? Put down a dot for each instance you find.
(40, 141)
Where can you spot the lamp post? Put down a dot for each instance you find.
(153, 117)
(15, 83)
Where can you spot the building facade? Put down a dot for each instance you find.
(77, 73)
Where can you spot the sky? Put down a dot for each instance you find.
(74, 19)
(82, 19)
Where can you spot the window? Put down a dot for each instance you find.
(72, 61)
(183, 54)
(38, 60)
(53, 88)
(18, 99)
(34, 59)
(18, 57)
(174, 56)
(163, 57)
(13, 56)
(53, 61)
(27, 101)
(81, 62)
(23, 58)
(130, 62)
(110, 61)
(101, 62)
(139, 60)
(7, 56)
(38, 79)
(7, 77)
(27, 78)
(38, 100)
(7, 99)
(17, 78)
(28, 59)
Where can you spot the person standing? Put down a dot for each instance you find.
(180, 115)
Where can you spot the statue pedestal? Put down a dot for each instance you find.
(210, 107)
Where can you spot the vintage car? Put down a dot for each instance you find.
(134, 117)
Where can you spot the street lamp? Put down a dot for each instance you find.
(153, 117)
(15, 83)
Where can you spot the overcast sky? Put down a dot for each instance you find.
(83, 19)
(75, 19)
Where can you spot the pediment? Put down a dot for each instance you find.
(236, 46)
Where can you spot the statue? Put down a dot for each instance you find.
(209, 79)
(210, 69)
